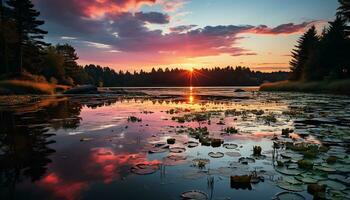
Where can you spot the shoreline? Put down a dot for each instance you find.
(340, 87)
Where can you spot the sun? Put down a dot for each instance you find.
(191, 70)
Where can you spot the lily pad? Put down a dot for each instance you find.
(333, 185)
(290, 187)
(191, 144)
(144, 169)
(230, 146)
(216, 154)
(233, 154)
(289, 196)
(194, 195)
(177, 150)
(290, 172)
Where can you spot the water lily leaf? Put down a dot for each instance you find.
(194, 195)
(290, 172)
(333, 184)
(289, 196)
(290, 187)
(216, 154)
(177, 150)
(233, 154)
(230, 146)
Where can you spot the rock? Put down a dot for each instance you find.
(83, 89)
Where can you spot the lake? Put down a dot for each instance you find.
(171, 143)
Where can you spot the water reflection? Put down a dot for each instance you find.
(41, 158)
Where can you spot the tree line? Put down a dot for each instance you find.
(325, 56)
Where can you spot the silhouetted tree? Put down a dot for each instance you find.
(300, 55)
(28, 33)
(335, 50)
(344, 9)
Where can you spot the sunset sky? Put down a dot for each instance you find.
(141, 34)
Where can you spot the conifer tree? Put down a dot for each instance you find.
(302, 52)
(29, 34)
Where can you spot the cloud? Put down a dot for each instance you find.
(109, 25)
(172, 5)
(153, 17)
(288, 28)
(182, 28)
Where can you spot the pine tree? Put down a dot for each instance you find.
(302, 52)
(344, 9)
(27, 28)
(335, 50)
(70, 57)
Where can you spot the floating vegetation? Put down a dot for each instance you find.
(331, 159)
(230, 146)
(257, 112)
(177, 149)
(291, 187)
(257, 151)
(287, 131)
(268, 119)
(231, 130)
(144, 169)
(232, 112)
(200, 162)
(171, 140)
(171, 160)
(198, 132)
(246, 160)
(194, 195)
(333, 185)
(316, 190)
(241, 182)
(233, 154)
(305, 164)
(134, 119)
(289, 196)
(216, 154)
(191, 144)
(215, 142)
(290, 172)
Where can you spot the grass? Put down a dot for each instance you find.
(20, 87)
(334, 87)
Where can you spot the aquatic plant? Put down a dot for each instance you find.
(215, 142)
(205, 141)
(258, 112)
(280, 163)
(134, 119)
(171, 140)
(305, 164)
(268, 119)
(318, 191)
(331, 159)
(286, 131)
(232, 112)
(231, 130)
(241, 182)
(257, 151)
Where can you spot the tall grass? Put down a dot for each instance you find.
(26, 87)
(334, 87)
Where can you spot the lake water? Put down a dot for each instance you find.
(115, 147)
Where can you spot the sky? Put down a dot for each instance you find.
(141, 34)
